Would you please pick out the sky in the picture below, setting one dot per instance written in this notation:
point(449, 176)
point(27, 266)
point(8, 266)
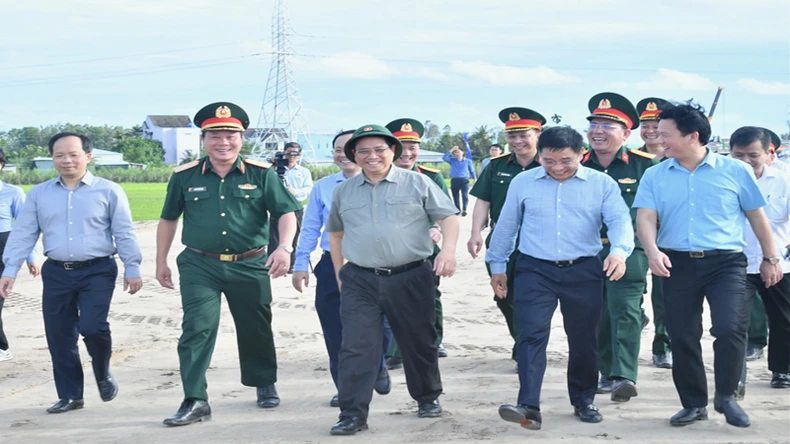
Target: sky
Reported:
point(356, 62)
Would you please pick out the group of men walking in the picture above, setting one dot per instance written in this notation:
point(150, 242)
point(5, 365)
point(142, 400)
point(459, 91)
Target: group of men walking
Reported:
point(568, 225)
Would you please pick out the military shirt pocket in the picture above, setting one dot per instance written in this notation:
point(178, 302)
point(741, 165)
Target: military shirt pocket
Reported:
point(354, 214)
point(404, 209)
point(628, 191)
point(196, 199)
point(247, 194)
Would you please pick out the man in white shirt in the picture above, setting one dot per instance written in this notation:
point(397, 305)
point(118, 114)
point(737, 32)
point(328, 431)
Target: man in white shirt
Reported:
point(752, 145)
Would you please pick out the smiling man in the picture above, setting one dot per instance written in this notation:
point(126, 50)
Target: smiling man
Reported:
point(612, 117)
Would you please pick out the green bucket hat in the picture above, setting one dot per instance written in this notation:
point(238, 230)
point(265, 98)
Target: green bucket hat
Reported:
point(371, 131)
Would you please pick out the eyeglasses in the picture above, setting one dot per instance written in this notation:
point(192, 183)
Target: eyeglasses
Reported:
point(293, 154)
point(364, 152)
point(603, 126)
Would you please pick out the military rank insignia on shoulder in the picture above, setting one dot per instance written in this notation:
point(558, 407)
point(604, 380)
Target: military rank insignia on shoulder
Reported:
point(257, 163)
point(430, 170)
point(639, 152)
point(186, 166)
point(500, 156)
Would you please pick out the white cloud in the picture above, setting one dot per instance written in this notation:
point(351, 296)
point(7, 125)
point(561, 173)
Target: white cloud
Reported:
point(670, 79)
point(430, 73)
point(354, 65)
point(511, 75)
point(760, 87)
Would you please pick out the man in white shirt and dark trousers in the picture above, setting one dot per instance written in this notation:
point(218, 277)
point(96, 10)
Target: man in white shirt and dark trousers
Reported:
point(752, 145)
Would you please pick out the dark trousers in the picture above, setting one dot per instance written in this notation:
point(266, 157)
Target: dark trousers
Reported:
point(505, 306)
point(460, 189)
point(76, 302)
point(661, 343)
point(3, 338)
point(777, 307)
point(274, 235)
point(327, 305)
point(758, 323)
point(407, 301)
point(722, 280)
point(579, 290)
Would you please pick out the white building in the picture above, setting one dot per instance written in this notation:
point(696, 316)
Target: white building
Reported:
point(179, 137)
point(101, 158)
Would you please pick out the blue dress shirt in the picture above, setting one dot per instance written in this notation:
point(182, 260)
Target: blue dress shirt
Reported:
point(89, 222)
point(560, 220)
point(701, 209)
point(300, 179)
point(460, 169)
point(316, 214)
point(12, 198)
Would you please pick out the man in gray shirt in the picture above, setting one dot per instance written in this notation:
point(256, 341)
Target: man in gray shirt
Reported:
point(84, 221)
point(388, 273)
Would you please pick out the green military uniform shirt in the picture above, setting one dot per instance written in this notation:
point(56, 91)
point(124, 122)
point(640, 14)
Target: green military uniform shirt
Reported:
point(434, 175)
point(494, 181)
point(226, 215)
point(627, 169)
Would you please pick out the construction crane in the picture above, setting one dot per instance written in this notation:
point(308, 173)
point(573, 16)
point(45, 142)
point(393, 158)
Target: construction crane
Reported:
point(715, 102)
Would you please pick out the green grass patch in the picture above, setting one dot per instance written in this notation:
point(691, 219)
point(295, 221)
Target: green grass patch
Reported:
point(145, 199)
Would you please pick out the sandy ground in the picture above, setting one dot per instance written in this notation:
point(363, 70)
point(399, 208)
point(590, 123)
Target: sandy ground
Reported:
point(478, 376)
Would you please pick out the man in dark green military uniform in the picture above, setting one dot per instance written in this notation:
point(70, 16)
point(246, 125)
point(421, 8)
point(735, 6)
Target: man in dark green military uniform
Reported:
point(409, 132)
point(612, 117)
point(522, 127)
point(226, 201)
point(648, 110)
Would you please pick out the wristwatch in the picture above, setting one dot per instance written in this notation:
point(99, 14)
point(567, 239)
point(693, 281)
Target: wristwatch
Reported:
point(289, 249)
point(772, 260)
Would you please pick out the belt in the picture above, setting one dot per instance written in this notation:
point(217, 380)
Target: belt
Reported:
point(704, 253)
point(381, 271)
point(562, 264)
point(73, 265)
point(605, 241)
point(231, 257)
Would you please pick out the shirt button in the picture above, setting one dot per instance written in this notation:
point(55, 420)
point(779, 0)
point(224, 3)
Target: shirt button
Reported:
point(246, 196)
point(222, 214)
point(558, 233)
point(227, 249)
point(196, 198)
point(692, 204)
point(222, 181)
point(606, 171)
point(71, 223)
point(692, 219)
point(222, 197)
point(70, 208)
point(224, 233)
point(70, 239)
point(692, 189)
point(558, 216)
point(627, 190)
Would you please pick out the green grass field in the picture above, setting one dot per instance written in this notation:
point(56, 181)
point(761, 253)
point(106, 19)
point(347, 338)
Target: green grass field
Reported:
point(146, 199)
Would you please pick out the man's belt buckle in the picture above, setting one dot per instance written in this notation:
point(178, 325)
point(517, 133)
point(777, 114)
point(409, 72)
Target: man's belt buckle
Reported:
point(226, 257)
point(69, 265)
point(382, 271)
point(697, 254)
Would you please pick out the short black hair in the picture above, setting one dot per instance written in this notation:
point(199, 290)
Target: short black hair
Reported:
point(495, 145)
point(339, 135)
point(86, 142)
point(3, 160)
point(560, 137)
point(747, 135)
point(689, 118)
point(292, 145)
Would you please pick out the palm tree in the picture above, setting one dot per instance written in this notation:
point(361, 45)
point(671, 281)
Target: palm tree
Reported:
point(188, 156)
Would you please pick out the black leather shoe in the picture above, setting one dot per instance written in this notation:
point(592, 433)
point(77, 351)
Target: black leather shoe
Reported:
point(645, 321)
point(780, 380)
point(689, 416)
point(267, 397)
point(430, 409)
point(731, 410)
point(588, 413)
point(753, 353)
point(394, 363)
point(442, 352)
point(528, 417)
point(335, 402)
point(383, 384)
point(604, 385)
point(348, 426)
point(623, 390)
point(191, 411)
point(662, 361)
point(64, 405)
point(108, 388)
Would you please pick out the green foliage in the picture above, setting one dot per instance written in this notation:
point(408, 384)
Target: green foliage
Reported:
point(144, 151)
point(23, 157)
point(188, 156)
point(149, 175)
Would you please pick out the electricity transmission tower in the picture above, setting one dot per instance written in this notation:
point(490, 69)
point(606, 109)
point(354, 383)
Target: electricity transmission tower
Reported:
point(281, 118)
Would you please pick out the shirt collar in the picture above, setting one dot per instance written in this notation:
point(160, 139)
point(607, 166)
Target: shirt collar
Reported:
point(87, 179)
point(710, 159)
point(622, 155)
point(769, 171)
point(393, 175)
point(237, 165)
point(581, 173)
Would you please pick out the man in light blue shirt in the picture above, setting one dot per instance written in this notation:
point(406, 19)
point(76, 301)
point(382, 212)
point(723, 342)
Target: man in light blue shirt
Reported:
point(495, 151)
point(461, 170)
point(299, 182)
point(11, 200)
point(327, 295)
point(85, 221)
point(701, 199)
point(558, 210)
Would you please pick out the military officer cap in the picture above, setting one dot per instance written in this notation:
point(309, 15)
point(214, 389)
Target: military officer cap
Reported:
point(222, 116)
point(371, 130)
point(649, 108)
point(521, 119)
point(615, 107)
point(776, 142)
point(406, 130)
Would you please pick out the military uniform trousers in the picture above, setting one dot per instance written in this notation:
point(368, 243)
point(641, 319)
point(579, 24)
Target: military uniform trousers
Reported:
point(721, 277)
point(76, 302)
point(621, 319)
point(3, 338)
point(506, 305)
point(579, 290)
point(247, 288)
point(393, 348)
point(406, 300)
point(327, 305)
point(758, 324)
point(661, 342)
point(777, 307)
